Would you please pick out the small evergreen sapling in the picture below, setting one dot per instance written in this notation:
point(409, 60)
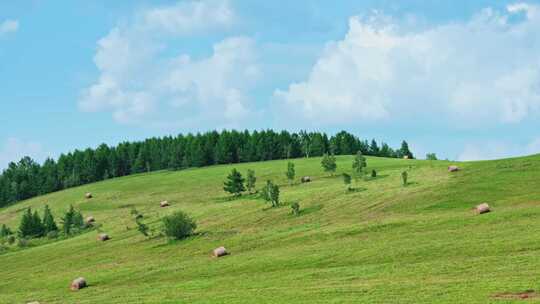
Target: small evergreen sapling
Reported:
point(373, 173)
point(234, 183)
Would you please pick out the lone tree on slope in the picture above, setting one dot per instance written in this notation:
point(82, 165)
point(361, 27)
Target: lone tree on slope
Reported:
point(234, 183)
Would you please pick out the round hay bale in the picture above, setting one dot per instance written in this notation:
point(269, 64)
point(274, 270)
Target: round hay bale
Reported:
point(453, 168)
point(482, 208)
point(219, 252)
point(305, 179)
point(164, 204)
point(88, 195)
point(78, 283)
point(89, 220)
point(406, 157)
point(103, 237)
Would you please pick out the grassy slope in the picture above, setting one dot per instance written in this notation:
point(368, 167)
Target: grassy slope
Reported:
point(384, 244)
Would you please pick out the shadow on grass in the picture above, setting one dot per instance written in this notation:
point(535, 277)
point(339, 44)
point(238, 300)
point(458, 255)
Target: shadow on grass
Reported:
point(311, 209)
point(370, 178)
point(246, 196)
point(355, 189)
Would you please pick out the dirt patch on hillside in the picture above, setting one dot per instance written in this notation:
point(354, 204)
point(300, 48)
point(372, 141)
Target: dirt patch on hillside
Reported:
point(524, 295)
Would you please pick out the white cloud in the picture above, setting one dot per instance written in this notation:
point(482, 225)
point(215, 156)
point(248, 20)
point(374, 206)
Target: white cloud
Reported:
point(8, 26)
point(485, 70)
point(14, 149)
point(143, 79)
point(189, 17)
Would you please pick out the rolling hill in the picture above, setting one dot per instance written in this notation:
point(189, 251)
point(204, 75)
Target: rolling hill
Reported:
point(383, 243)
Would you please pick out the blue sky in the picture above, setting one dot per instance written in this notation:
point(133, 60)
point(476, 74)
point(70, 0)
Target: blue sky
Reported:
point(458, 78)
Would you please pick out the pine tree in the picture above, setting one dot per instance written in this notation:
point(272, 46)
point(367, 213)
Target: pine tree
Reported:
point(290, 172)
point(404, 151)
point(25, 227)
point(329, 163)
point(5, 231)
point(37, 225)
point(48, 220)
point(234, 183)
point(251, 180)
point(67, 220)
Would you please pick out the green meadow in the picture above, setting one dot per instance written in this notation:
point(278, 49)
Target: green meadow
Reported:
point(382, 243)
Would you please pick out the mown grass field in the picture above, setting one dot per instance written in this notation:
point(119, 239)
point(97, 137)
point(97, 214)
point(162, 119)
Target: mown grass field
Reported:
point(381, 244)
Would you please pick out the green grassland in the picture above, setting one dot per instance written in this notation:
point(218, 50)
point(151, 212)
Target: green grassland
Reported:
point(383, 243)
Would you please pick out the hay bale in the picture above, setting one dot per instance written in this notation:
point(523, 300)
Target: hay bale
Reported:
point(406, 157)
point(103, 237)
point(219, 252)
point(305, 179)
point(453, 168)
point(482, 208)
point(78, 283)
point(164, 204)
point(90, 220)
point(88, 195)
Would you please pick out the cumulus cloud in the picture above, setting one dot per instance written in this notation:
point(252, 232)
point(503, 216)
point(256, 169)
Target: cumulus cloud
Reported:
point(14, 149)
point(484, 70)
point(8, 26)
point(143, 79)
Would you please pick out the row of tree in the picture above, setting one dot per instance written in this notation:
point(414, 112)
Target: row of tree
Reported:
point(27, 178)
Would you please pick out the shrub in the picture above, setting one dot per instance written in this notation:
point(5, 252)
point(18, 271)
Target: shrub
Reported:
point(295, 208)
point(404, 178)
point(347, 181)
point(11, 239)
point(142, 227)
point(22, 243)
point(373, 173)
point(178, 225)
point(52, 234)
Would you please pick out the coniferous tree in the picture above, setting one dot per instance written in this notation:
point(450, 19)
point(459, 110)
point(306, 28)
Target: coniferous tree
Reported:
point(234, 183)
point(404, 151)
point(25, 227)
point(48, 220)
point(37, 225)
point(5, 231)
point(67, 220)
